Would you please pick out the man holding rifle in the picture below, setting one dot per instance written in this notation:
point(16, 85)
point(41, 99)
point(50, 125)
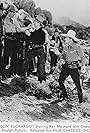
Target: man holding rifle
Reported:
point(3, 13)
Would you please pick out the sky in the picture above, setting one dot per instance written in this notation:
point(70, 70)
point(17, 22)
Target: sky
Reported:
point(77, 10)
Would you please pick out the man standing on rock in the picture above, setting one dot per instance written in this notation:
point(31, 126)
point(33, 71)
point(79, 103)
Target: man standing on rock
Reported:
point(3, 13)
point(37, 39)
point(72, 53)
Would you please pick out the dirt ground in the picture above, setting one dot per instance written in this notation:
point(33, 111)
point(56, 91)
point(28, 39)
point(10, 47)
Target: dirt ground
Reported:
point(18, 102)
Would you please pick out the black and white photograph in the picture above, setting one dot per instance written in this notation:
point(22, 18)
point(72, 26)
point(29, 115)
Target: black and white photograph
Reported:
point(45, 61)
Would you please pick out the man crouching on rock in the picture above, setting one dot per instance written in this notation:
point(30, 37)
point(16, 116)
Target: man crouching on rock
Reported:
point(72, 53)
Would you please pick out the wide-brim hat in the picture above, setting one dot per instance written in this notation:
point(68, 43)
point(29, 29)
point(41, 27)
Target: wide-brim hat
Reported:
point(40, 18)
point(22, 11)
point(71, 34)
point(13, 9)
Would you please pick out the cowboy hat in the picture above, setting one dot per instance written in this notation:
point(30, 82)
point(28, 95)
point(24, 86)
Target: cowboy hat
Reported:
point(40, 18)
point(22, 11)
point(71, 34)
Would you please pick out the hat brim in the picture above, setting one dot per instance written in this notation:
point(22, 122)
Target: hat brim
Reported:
point(22, 11)
point(40, 18)
point(74, 38)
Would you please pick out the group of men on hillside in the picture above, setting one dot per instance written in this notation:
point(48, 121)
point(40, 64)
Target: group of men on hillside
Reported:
point(26, 36)
point(29, 41)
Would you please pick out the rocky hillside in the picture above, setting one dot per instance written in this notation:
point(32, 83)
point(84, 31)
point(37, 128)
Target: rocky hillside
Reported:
point(25, 100)
point(67, 21)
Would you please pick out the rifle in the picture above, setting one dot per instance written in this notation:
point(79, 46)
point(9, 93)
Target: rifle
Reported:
point(3, 16)
point(24, 44)
point(2, 42)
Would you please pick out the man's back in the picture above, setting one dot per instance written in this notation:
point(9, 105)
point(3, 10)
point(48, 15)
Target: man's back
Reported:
point(38, 37)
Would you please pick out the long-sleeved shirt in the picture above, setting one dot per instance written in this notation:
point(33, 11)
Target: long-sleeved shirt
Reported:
point(73, 53)
point(9, 26)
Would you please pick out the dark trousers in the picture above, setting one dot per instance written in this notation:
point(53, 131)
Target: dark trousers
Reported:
point(65, 72)
point(31, 67)
point(19, 60)
point(10, 50)
point(53, 59)
point(1, 57)
point(39, 52)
